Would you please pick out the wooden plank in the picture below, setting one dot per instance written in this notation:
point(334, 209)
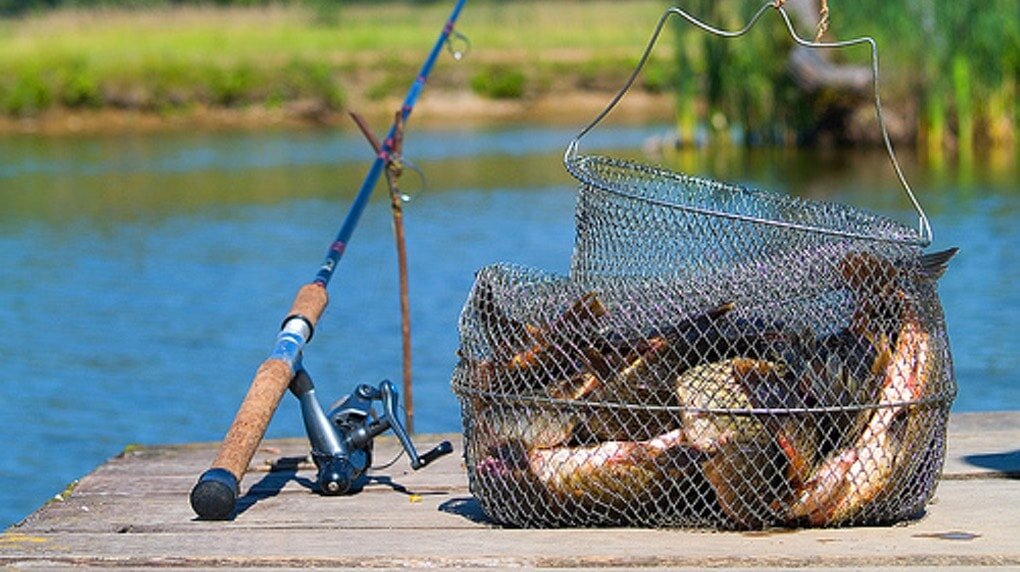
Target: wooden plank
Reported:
point(191, 459)
point(118, 476)
point(133, 511)
point(983, 445)
point(262, 484)
point(986, 421)
point(967, 526)
point(291, 510)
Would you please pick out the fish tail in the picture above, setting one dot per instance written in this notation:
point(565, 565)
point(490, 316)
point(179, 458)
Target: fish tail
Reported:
point(934, 265)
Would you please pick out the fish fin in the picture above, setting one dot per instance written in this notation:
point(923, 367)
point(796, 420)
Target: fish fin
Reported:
point(883, 355)
point(575, 387)
point(534, 331)
point(934, 265)
point(744, 367)
point(590, 304)
point(721, 310)
point(799, 468)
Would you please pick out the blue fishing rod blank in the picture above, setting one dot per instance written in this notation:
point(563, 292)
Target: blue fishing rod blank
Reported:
point(215, 495)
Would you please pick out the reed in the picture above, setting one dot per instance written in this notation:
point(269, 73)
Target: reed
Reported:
point(949, 72)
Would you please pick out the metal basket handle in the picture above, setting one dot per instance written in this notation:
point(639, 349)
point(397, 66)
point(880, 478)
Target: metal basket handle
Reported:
point(924, 228)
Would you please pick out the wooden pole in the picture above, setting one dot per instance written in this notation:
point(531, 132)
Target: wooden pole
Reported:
point(393, 171)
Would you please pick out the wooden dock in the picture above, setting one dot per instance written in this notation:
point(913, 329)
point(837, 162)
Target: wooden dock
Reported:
point(133, 511)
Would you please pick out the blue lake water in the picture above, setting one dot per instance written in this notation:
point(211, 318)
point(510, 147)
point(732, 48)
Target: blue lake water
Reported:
point(144, 277)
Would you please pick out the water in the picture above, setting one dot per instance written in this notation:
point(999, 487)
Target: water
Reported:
point(144, 278)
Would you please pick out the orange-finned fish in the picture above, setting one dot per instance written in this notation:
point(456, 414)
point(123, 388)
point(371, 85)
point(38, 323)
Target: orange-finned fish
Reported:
point(876, 282)
point(574, 322)
point(850, 478)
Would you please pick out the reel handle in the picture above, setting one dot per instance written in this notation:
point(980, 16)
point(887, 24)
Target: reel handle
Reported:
point(389, 397)
point(444, 448)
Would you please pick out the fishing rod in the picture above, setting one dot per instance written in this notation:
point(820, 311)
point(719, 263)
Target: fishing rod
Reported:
point(215, 495)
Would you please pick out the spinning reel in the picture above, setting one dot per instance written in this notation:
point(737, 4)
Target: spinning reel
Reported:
point(342, 438)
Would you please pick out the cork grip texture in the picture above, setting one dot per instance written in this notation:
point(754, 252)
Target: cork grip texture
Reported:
point(245, 434)
point(310, 302)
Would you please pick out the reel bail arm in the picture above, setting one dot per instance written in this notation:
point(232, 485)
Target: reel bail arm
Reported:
point(342, 440)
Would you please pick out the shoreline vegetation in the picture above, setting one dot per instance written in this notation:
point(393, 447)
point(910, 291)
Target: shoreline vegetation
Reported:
point(81, 69)
point(949, 69)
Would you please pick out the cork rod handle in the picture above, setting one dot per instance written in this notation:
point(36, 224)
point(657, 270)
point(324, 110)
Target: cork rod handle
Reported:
point(215, 495)
point(252, 419)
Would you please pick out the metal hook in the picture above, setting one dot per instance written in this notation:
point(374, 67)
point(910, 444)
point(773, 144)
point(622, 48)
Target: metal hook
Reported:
point(570, 154)
point(458, 54)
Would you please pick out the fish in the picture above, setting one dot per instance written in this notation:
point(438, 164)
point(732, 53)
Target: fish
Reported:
point(558, 339)
point(876, 281)
point(575, 387)
point(619, 349)
point(531, 425)
point(525, 358)
point(867, 272)
point(773, 390)
point(618, 413)
point(834, 376)
point(621, 474)
point(596, 383)
point(715, 405)
point(850, 478)
point(841, 372)
point(759, 458)
point(622, 374)
point(607, 482)
point(503, 334)
point(840, 369)
point(749, 480)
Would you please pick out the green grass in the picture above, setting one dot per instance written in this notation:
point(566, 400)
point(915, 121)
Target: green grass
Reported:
point(956, 85)
point(167, 57)
point(499, 82)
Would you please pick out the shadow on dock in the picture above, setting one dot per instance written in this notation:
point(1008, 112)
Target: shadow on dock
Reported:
point(1007, 464)
point(468, 508)
point(284, 470)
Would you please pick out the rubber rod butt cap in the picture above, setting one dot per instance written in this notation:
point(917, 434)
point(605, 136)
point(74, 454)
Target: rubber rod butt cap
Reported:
point(215, 495)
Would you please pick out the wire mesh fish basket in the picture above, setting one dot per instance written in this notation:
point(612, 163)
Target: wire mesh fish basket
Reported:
point(719, 356)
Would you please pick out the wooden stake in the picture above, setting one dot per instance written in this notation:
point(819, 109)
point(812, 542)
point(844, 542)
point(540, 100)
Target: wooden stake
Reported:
point(393, 171)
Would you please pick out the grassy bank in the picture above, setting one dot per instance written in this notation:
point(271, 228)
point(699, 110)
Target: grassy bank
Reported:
point(169, 59)
point(950, 68)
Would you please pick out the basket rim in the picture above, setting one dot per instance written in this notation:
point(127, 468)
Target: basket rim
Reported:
point(942, 398)
point(578, 167)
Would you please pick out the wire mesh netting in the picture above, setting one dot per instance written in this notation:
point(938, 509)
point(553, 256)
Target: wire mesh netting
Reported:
point(719, 357)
